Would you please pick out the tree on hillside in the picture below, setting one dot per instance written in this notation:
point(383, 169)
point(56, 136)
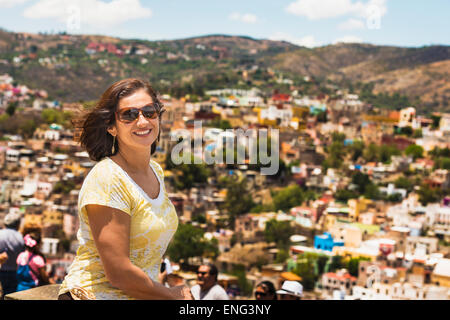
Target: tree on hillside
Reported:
point(415, 151)
point(361, 180)
point(404, 182)
point(372, 192)
point(442, 163)
point(221, 124)
point(288, 198)
point(336, 153)
point(238, 200)
point(441, 158)
point(336, 263)
point(436, 121)
point(11, 108)
point(383, 153)
point(305, 269)
point(188, 242)
point(186, 175)
point(365, 186)
point(357, 149)
point(438, 152)
point(352, 265)
point(428, 194)
point(55, 116)
point(343, 195)
point(278, 232)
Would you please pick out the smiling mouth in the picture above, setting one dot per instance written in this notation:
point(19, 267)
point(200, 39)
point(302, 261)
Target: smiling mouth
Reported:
point(142, 133)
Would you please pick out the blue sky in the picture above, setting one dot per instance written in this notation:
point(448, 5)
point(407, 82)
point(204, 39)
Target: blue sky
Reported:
point(304, 22)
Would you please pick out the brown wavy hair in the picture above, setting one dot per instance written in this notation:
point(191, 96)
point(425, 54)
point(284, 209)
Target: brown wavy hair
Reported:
point(91, 125)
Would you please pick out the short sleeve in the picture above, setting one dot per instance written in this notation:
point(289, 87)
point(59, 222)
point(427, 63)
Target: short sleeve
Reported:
point(21, 258)
point(104, 185)
point(220, 293)
point(37, 262)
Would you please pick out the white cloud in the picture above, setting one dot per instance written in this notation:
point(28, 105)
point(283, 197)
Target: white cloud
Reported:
point(322, 9)
point(352, 24)
point(93, 13)
point(246, 17)
point(11, 3)
point(348, 39)
point(306, 41)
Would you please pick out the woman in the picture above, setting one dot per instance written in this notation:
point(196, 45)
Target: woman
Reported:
point(265, 290)
point(31, 264)
point(126, 217)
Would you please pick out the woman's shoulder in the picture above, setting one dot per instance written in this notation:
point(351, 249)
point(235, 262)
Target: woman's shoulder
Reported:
point(102, 177)
point(102, 165)
point(104, 170)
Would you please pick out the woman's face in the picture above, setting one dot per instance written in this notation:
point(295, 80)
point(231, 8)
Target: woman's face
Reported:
point(141, 133)
point(262, 293)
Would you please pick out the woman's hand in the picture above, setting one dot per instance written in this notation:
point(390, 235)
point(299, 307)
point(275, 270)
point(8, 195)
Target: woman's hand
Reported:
point(3, 257)
point(182, 293)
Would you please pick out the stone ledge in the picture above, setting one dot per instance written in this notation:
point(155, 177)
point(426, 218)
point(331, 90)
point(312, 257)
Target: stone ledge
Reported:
point(48, 292)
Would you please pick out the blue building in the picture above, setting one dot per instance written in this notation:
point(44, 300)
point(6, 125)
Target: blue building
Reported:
point(326, 242)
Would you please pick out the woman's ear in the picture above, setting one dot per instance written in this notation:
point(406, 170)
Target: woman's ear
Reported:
point(112, 131)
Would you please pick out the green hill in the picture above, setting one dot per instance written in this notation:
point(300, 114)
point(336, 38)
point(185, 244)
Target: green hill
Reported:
point(76, 68)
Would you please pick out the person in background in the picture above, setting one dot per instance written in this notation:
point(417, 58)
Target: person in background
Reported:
point(291, 290)
point(207, 287)
point(11, 244)
point(265, 290)
point(31, 264)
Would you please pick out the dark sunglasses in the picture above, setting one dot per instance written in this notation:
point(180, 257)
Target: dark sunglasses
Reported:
point(128, 115)
point(261, 294)
point(202, 273)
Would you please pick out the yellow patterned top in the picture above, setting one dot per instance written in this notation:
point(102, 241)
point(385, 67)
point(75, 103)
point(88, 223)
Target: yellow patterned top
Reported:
point(153, 224)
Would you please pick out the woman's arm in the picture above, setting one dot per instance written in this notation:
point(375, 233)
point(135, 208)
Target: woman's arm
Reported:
point(111, 232)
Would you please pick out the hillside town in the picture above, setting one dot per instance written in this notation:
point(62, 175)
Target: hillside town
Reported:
point(359, 208)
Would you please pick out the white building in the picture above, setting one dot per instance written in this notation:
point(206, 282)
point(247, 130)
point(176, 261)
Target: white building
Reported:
point(273, 113)
point(12, 155)
point(438, 219)
point(444, 124)
point(399, 291)
point(408, 118)
point(50, 246)
point(391, 190)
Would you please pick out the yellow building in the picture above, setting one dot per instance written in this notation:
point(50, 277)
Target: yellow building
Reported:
point(357, 206)
point(329, 221)
point(32, 221)
point(354, 253)
point(235, 121)
point(441, 273)
point(300, 116)
point(52, 218)
point(264, 121)
point(75, 168)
